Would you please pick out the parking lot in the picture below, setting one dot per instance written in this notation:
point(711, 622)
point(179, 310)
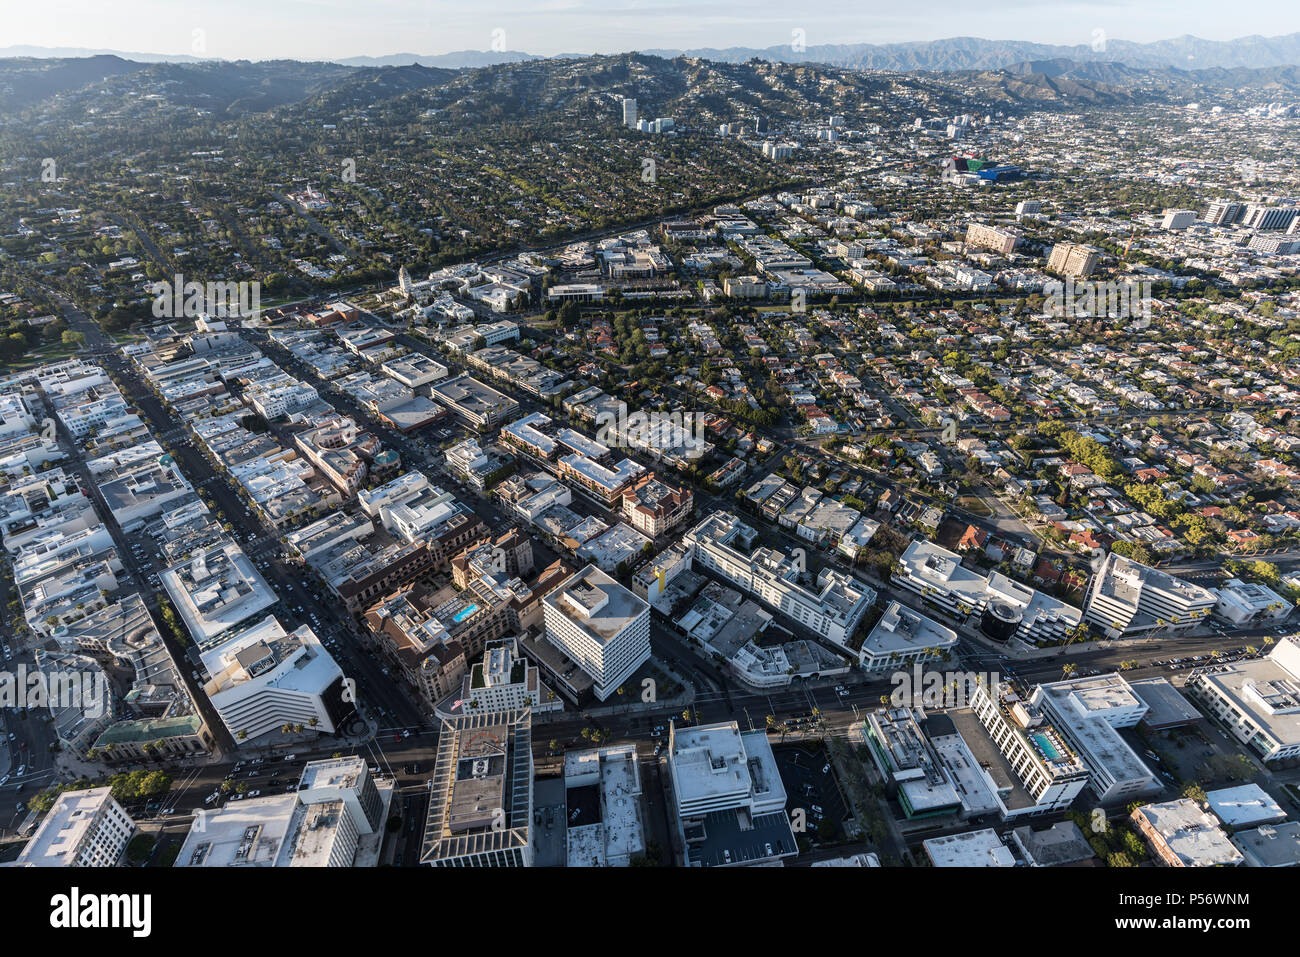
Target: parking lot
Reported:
point(811, 789)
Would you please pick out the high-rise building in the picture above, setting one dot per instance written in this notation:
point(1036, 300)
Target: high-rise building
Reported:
point(1224, 213)
point(1074, 260)
point(999, 240)
point(1268, 217)
point(600, 625)
point(1178, 218)
point(629, 112)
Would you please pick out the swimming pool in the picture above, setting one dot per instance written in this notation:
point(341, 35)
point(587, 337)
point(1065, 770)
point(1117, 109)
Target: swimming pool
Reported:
point(1045, 745)
point(464, 613)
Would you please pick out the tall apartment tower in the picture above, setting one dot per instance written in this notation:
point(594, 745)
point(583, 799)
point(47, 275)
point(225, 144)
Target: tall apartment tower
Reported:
point(1224, 213)
point(629, 112)
point(1074, 260)
point(1268, 217)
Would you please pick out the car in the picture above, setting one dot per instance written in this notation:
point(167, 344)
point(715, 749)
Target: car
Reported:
point(826, 769)
point(211, 797)
point(254, 794)
point(22, 768)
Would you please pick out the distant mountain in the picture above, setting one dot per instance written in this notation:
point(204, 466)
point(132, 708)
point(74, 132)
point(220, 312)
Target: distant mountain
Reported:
point(26, 81)
point(1066, 81)
point(952, 54)
point(47, 53)
point(973, 53)
point(462, 59)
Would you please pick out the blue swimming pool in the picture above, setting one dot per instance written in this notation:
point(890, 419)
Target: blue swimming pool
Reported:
point(1045, 745)
point(464, 613)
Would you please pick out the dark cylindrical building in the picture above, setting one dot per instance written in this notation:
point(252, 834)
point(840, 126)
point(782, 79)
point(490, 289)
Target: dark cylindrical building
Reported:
point(1000, 621)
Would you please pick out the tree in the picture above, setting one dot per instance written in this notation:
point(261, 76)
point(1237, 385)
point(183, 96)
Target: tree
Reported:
point(73, 338)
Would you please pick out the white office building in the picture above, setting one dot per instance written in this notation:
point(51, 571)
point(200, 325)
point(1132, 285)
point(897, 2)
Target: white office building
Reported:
point(601, 626)
point(83, 829)
point(1243, 602)
point(1127, 599)
point(1088, 712)
point(1258, 700)
point(834, 609)
point(265, 677)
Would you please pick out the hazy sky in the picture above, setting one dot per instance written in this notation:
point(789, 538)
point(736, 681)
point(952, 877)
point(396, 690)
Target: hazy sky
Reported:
point(319, 29)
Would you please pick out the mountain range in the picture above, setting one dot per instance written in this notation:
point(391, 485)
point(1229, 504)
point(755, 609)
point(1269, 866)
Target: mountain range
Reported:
point(953, 54)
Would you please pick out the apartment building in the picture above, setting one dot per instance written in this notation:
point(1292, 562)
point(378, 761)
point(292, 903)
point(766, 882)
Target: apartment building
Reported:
point(1074, 260)
point(997, 239)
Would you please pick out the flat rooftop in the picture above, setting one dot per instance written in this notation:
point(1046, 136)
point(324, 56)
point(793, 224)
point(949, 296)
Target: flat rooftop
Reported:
point(596, 603)
point(247, 833)
point(982, 848)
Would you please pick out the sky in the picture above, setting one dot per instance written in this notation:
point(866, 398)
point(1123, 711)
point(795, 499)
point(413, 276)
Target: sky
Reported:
point(335, 29)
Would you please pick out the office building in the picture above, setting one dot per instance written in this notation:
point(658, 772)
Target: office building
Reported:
point(903, 638)
point(1088, 712)
point(265, 677)
point(834, 609)
point(1128, 599)
point(481, 795)
point(1224, 213)
point(602, 790)
point(601, 626)
point(907, 761)
point(728, 795)
point(83, 829)
point(982, 848)
point(1183, 834)
point(1243, 602)
point(1257, 700)
point(1006, 607)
